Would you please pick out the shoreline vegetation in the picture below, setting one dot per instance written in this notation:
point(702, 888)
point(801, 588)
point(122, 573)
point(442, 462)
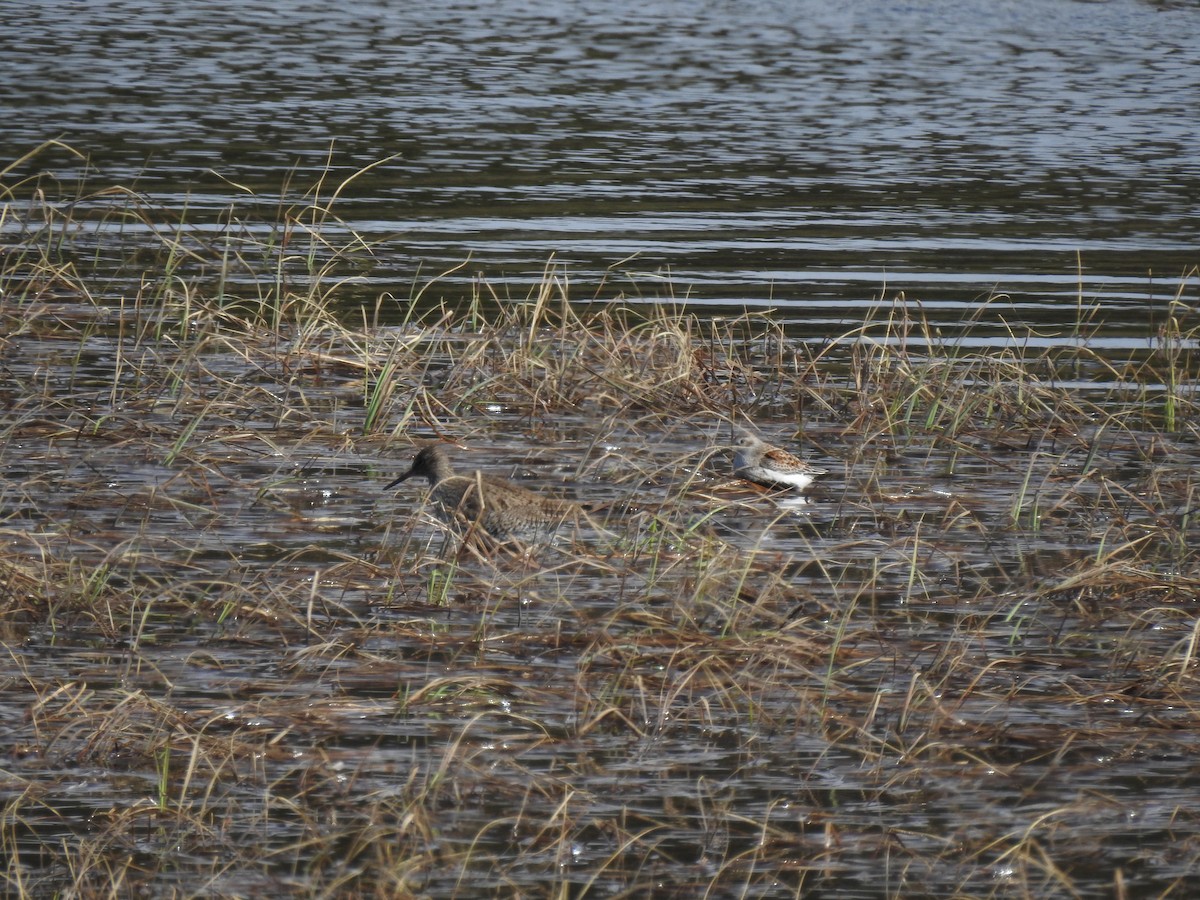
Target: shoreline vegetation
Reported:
point(230, 663)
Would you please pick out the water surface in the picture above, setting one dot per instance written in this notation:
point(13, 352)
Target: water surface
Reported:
point(798, 155)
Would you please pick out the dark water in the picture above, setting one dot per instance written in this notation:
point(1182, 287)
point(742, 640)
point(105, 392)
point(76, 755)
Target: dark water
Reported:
point(805, 155)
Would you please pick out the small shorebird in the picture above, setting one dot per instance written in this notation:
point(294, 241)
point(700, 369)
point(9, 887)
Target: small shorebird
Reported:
point(757, 461)
point(477, 504)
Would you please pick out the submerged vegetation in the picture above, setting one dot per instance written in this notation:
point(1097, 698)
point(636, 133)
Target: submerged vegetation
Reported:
point(230, 663)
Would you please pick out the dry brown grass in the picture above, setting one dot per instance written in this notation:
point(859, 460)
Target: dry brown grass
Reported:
point(970, 669)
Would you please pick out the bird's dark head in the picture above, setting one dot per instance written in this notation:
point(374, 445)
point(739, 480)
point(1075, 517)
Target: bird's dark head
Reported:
point(431, 462)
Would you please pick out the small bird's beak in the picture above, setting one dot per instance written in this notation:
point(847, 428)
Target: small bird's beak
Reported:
point(392, 484)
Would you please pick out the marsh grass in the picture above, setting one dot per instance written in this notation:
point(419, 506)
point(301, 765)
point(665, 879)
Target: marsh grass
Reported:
point(231, 665)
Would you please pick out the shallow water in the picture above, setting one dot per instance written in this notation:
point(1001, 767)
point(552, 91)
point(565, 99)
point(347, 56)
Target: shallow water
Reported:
point(728, 689)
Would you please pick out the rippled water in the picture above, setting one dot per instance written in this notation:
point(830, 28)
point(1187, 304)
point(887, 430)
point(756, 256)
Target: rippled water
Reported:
point(804, 155)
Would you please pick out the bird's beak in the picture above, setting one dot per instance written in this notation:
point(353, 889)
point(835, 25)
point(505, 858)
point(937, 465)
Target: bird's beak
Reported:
point(392, 484)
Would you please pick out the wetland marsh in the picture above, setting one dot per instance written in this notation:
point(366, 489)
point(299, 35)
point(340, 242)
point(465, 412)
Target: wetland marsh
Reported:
point(233, 664)
point(946, 252)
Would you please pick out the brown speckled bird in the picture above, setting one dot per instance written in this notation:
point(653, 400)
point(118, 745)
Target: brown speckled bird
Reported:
point(476, 503)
